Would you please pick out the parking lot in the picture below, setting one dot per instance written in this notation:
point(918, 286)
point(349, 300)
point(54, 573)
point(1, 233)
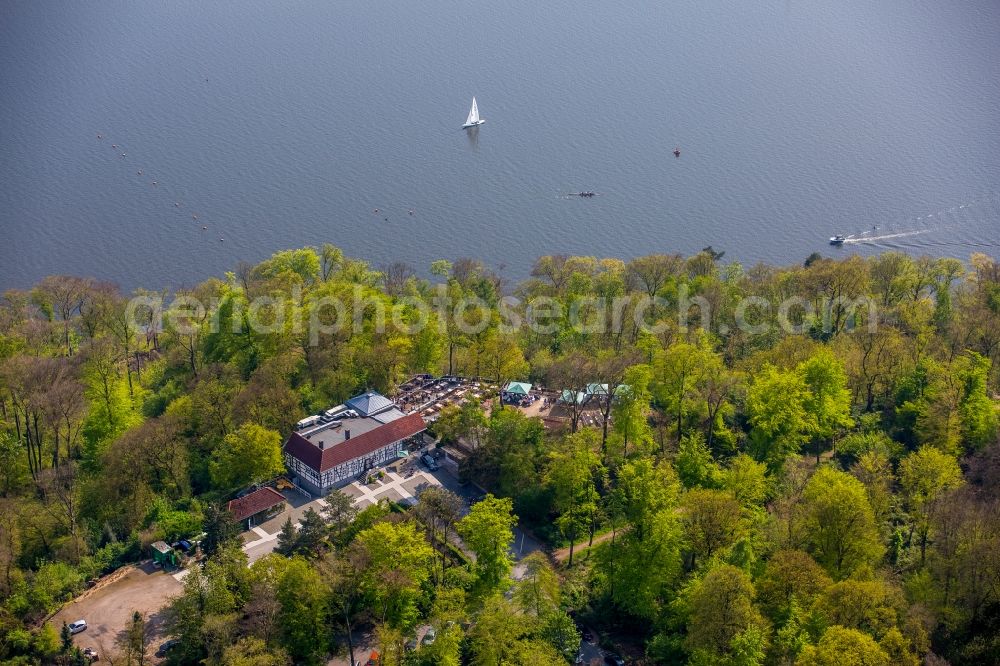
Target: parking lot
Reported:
point(108, 608)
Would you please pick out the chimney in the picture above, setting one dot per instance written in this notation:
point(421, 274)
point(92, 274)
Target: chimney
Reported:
point(347, 435)
point(320, 443)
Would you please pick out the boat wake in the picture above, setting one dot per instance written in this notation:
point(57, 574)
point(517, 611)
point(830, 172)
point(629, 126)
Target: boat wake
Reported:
point(872, 239)
point(954, 218)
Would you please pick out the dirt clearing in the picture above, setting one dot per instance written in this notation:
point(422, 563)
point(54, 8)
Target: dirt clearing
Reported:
point(108, 608)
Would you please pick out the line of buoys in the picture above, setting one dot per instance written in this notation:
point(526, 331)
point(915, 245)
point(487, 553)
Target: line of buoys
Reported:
point(155, 183)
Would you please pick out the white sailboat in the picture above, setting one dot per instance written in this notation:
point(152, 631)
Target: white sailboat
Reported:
point(473, 120)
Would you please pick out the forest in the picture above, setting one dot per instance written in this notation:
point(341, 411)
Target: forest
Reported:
point(795, 465)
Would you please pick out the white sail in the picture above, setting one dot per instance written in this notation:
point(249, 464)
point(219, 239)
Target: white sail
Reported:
point(473, 118)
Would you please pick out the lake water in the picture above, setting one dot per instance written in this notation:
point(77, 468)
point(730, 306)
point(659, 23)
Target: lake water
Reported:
point(284, 124)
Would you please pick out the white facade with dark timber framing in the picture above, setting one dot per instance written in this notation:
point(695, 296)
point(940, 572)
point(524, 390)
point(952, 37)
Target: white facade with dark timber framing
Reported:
point(336, 447)
point(322, 483)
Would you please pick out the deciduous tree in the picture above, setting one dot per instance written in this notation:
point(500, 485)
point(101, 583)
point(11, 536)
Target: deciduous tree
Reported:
point(790, 575)
point(828, 402)
point(839, 522)
point(249, 455)
point(398, 564)
point(721, 607)
point(926, 476)
point(488, 531)
point(302, 620)
point(712, 522)
point(844, 647)
point(776, 405)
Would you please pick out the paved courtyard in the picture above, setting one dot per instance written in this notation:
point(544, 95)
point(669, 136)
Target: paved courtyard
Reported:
point(403, 488)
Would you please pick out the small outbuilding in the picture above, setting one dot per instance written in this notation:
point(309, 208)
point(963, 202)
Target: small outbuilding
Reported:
point(256, 507)
point(164, 555)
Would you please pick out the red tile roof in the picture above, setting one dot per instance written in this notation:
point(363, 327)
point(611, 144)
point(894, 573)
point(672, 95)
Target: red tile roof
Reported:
point(257, 501)
point(356, 447)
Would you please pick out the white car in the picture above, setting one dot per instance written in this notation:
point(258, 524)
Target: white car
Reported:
point(78, 626)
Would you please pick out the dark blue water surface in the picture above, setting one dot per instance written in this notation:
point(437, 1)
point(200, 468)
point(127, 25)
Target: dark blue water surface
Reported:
point(284, 124)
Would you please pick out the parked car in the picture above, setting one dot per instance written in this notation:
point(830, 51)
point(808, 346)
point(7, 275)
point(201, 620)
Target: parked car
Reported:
point(613, 659)
point(429, 636)
point(411, 644)
point(77, 627)
point(91, 654)
point(428, 460)
point(166, 647)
